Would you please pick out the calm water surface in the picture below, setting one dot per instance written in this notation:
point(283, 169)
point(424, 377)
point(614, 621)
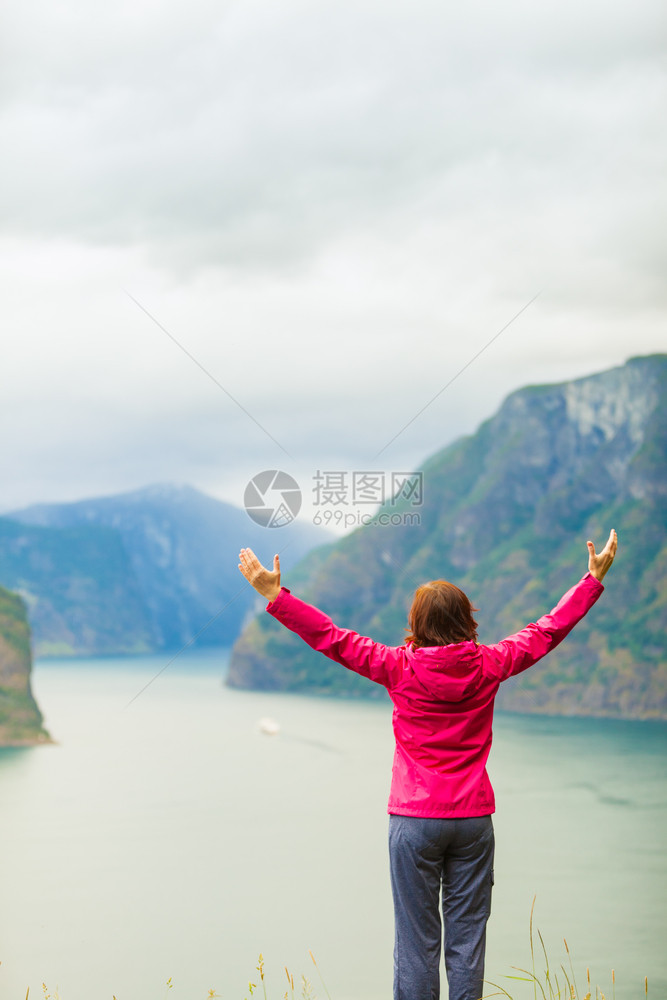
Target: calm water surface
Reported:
point(171, 838)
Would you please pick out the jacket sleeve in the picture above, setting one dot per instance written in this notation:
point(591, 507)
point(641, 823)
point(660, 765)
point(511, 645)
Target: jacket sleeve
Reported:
point(356, 652)
point(522, 650)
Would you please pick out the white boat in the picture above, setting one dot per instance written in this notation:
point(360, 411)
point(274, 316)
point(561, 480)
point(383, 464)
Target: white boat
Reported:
point(268, 726)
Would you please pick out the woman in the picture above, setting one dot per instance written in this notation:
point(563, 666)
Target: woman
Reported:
point(443, 685)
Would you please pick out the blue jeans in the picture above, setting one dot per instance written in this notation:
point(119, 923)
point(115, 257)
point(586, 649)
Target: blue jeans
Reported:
point(425, 855)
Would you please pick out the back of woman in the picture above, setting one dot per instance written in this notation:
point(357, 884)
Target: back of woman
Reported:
point(443, 684)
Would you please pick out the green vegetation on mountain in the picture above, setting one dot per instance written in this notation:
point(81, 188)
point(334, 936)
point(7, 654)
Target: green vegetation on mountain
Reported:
point(20, 718)
point(506, 515)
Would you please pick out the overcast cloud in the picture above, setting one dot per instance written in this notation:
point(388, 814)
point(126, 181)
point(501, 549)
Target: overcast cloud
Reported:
point(332, 206)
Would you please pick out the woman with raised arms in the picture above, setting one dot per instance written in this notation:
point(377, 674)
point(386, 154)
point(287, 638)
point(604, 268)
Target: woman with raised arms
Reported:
point(442, 683)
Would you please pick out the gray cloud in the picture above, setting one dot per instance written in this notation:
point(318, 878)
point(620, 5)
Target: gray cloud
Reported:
point(251, 134)
point(333, 206)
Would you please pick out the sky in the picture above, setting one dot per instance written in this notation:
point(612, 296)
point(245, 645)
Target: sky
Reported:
point(313, 236)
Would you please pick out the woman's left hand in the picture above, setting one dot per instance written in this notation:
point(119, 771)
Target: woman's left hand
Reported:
point(599, 563)
point(265, 581)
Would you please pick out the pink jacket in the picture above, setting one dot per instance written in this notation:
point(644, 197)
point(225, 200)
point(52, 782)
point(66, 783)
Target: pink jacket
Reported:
point(443, 698)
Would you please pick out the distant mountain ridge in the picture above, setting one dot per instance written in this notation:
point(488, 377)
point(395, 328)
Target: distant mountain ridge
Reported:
point(138, 572)
point(506, 515)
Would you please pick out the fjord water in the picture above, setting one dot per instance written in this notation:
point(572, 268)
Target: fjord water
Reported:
point(167, 836)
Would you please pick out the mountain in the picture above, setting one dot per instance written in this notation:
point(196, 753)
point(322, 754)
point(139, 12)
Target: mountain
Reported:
point(506, 514)
point(20, 718)
point(138, 572)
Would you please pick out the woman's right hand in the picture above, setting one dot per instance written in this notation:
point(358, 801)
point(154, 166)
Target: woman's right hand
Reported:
point(265, 581)
point(598, 564)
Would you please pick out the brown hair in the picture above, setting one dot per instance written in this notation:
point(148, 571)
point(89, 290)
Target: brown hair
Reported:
point(440, 614)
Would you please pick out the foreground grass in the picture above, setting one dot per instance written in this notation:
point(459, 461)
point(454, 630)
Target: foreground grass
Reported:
point(549, 984)
point(553, 984)
point(305, 987)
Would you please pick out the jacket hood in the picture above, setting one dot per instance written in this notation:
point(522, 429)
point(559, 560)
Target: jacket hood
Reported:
point(449, 673)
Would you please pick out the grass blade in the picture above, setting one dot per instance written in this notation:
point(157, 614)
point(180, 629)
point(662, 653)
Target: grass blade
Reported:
point(319, 974)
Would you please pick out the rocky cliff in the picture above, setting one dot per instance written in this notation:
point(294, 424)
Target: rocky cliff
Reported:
point(20, 718)
point(506, 515)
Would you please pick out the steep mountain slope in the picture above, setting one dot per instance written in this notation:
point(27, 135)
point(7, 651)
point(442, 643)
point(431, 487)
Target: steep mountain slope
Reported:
point(20, 718)
point(141, 571)
point(506, 515)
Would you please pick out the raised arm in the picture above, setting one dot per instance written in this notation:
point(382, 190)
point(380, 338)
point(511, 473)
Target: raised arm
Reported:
point(522, 650)
point(356, 652)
